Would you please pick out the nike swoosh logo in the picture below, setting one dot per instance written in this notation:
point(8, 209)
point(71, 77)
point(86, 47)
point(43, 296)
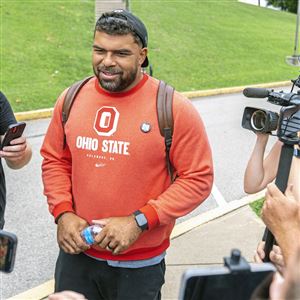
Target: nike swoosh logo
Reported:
point(99, 165)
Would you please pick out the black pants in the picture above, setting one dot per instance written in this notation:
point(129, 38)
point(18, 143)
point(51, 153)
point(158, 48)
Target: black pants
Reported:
point(96, 280)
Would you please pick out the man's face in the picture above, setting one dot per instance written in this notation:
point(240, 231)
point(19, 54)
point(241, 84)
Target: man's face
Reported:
point(117, 61)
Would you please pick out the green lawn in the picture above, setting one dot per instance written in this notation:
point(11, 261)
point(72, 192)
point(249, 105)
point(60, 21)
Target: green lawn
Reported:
point(194, 45)
point(45, 46)
point(257, 206)
point(208, 44)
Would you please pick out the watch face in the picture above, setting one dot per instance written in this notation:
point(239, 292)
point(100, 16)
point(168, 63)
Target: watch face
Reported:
point(141, 221)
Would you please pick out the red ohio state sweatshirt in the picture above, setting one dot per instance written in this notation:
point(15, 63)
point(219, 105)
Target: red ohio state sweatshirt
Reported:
point(114, 162)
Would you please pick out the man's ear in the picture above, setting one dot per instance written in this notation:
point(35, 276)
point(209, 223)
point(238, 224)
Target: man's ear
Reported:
point(143, 54)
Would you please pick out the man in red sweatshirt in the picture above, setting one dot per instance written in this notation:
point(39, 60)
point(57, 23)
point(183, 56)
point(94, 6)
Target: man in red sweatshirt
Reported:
point(113, 171)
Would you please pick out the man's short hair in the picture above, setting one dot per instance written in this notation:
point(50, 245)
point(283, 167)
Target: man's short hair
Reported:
point(113, 23)
point(122, 22)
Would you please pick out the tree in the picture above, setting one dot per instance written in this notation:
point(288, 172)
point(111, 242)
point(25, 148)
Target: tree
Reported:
point(289, 5)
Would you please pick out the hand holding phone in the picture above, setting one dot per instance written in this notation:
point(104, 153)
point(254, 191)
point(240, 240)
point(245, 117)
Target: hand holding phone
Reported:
point(14, 131)
point(8, 247)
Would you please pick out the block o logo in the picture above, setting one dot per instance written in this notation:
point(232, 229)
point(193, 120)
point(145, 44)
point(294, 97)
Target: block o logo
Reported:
point(106, 121)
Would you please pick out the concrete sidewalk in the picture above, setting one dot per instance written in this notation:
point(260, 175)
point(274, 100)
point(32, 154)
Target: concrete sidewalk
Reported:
point(206, 245)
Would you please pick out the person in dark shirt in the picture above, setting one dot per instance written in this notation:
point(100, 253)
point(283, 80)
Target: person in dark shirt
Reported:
point(16, 155)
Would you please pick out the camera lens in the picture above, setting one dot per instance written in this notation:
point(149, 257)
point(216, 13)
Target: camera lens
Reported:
point(273, 118)
point(258, 120)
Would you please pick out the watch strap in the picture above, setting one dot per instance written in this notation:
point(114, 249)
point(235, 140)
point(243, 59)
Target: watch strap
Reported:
point(141, 220)
point(137, 212)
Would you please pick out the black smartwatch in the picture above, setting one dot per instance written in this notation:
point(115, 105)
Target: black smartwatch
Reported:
point(141, 220)
point(297, 152)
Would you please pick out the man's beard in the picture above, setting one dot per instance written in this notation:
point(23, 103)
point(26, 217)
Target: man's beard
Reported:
point(119, 83)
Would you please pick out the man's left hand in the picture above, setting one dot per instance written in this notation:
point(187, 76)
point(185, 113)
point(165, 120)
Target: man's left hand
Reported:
point(118, 233)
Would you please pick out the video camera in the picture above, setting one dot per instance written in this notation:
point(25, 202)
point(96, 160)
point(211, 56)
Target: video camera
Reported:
point(287, 122)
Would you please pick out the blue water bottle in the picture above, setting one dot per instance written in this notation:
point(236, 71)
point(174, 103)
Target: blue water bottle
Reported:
point(88, 234)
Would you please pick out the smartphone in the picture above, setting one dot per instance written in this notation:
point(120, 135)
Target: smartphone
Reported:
point(218, 283)
point(8, 247)
point(13, 131)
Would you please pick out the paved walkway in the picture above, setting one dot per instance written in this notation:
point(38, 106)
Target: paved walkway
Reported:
point(206, 245)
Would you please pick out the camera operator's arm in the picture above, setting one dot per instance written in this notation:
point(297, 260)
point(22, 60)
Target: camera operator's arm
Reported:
point(260, 171)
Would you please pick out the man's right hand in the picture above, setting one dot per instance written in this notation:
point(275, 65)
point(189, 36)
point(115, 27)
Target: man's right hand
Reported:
point(69, 227)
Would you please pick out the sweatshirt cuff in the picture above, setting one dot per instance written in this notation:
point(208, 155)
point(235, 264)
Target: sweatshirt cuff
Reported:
point(151, 215)
point(62, 208)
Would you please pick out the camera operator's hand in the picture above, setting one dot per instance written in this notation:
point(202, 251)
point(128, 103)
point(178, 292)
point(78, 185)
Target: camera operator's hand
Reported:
point(259, 253)
point(276, 256)
point(69, 239)
point(281, 214)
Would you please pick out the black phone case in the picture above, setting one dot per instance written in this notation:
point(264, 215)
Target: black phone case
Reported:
point(11, 245)
point(14, 131)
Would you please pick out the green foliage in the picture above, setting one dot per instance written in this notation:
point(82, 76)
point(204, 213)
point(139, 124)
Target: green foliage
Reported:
point(193, 45)
point(289, 5)
point(45, 46)
point(197, 45)
point(257, 206)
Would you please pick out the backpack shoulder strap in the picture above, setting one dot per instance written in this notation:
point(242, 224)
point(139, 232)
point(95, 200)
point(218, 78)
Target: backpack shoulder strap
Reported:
point(69, 100)
point(164, 104)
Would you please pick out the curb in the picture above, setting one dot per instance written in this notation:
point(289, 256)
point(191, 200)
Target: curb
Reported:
point(34, 114)
point(232, 90)
point(213, 214)
point(37, 293)
point(47, 112)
